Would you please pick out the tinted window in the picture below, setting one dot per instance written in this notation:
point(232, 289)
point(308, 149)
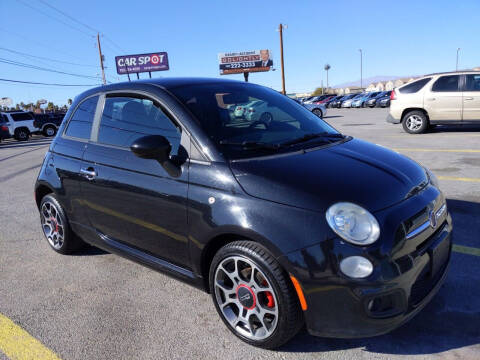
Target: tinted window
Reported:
point(446, 83)
point(236, 114)
point(80, 125)
point(125, 119)
point(414, 86)
point(472, 83)
point(3, 119)
point(21, 116)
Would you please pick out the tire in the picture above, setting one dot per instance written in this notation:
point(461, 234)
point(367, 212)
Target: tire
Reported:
point(415, 122)
point(318, 112)
point(56, 228)
point(49, 131)
point(241, 300)
point(22, 134)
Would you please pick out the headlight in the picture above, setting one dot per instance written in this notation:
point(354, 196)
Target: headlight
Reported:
point(353, 223)
point(433, 178)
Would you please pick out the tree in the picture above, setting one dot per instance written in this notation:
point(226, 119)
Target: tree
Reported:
point(50, 106)
point(319, 91)
point(327, 67)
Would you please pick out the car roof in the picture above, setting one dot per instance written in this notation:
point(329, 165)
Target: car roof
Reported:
point(454, 72)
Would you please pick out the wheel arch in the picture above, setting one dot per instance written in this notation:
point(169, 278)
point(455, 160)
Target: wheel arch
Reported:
point(23, 127)
point(40, 191)
point(407, 110)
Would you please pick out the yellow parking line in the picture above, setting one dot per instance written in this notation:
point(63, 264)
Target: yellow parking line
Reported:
point(453, 178)
point(438, 150)
point(466, 250)
point(17, 344)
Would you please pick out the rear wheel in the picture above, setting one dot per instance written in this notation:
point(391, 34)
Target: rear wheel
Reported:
point(22, 134)
point(56, 228)
point(254, 296)
point(415, 122)
point(318, 112)
point(49, 131)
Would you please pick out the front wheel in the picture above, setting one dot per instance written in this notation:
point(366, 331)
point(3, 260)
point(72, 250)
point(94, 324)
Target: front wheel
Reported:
point(254, 296)
point(22, 135)
point(415, 122)
point(318, 112)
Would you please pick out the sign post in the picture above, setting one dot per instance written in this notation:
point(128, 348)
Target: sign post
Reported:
point(127, 64)
point(245, 62)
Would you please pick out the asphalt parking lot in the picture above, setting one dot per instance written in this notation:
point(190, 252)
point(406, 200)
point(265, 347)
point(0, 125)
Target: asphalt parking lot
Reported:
point(95, 305)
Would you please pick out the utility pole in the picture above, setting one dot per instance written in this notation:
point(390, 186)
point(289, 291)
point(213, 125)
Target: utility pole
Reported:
point(361, 68)
point(280, 29)
point(101, 60)
point(456, 66)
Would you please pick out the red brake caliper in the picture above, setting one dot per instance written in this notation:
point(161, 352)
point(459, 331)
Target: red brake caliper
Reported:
point(268, 294)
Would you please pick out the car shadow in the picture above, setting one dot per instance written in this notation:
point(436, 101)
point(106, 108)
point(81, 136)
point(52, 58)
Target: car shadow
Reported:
point(454, 128)
point(332, 116)
point(90, 250)
point(450, 321)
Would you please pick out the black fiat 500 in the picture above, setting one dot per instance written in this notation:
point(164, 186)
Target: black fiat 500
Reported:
point(242, 192)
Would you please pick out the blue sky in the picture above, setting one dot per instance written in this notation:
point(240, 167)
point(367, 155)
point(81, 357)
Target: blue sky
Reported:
point(398, 38)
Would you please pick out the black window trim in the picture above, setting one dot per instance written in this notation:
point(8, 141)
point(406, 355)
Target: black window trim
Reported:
point(64, 135)
point(156, 99)
point(459, 88)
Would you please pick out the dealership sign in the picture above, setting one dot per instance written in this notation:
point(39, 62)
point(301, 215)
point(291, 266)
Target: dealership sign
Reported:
point(129, 64)
point(245, 61)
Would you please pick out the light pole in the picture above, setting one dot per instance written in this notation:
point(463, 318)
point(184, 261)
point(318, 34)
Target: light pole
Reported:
point(327, 67)
point(361, 68)
point(456, 66)
point(280, 29)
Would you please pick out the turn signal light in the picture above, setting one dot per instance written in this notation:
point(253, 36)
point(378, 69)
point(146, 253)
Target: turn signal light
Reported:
point(298, 289)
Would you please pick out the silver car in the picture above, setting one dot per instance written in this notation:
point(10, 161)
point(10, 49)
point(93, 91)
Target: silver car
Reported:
point(318, 109)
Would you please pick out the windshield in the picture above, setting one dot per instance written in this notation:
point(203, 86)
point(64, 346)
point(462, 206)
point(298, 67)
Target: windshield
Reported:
point(246, 120)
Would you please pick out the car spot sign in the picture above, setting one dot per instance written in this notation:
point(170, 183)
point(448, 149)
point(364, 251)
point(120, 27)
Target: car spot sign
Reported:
point(128, 64)
point(245, 61)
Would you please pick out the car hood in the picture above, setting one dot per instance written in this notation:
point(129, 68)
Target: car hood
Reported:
point(354, 171)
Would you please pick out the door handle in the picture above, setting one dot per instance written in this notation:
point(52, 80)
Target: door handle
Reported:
point(430, 99)
point(89, 173)
point(469, 98)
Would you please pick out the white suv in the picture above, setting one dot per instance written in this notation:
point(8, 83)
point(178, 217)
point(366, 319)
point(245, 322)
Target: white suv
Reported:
point(445, 98)
point(19, 123)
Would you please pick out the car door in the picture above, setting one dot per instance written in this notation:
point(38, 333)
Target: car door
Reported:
point(66, 159)
point(471, 98)
point(444, 100)
point(132, 200)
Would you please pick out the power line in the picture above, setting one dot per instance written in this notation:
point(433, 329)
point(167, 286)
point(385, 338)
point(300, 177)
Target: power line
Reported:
point(45, 58)
point(25, 65)
point(68, 16)
point(54, 18)
point(50, 84)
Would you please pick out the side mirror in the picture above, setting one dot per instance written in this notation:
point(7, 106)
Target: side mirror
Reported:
point(152, 147)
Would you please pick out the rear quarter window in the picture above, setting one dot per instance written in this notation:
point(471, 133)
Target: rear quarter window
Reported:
point(414, 86)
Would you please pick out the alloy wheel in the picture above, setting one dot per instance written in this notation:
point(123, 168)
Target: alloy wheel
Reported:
point(246, 298)
point(52, 225)
point(50, 131)
point(414, 122)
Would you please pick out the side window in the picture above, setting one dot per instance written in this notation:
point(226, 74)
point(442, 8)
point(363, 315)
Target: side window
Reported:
point(414, 86)
point(80, 125)
point(125, 119)
point(21, 116)
point(472, 82)
point(446, 83)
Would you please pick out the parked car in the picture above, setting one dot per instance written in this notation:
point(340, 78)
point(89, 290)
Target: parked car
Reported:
point(19, 123)
point(330, 102)
point(338, 103)
point(360, 102)
point(318, 109)
point(442, 98)
point(4, 131)
point(374, 101)
point(385, 102)
point(48, 124)
point(284, 223)
point(315, 99)
point(348, 103)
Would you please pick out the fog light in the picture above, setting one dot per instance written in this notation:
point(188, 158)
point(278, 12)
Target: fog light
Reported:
point(356, 267)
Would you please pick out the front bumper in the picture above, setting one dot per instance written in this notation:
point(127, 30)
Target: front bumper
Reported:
point(391, 119)
point(405, 279)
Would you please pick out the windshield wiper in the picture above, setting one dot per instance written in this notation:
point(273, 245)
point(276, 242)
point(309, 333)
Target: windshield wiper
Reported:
point(325, 135)
point(251, 145)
